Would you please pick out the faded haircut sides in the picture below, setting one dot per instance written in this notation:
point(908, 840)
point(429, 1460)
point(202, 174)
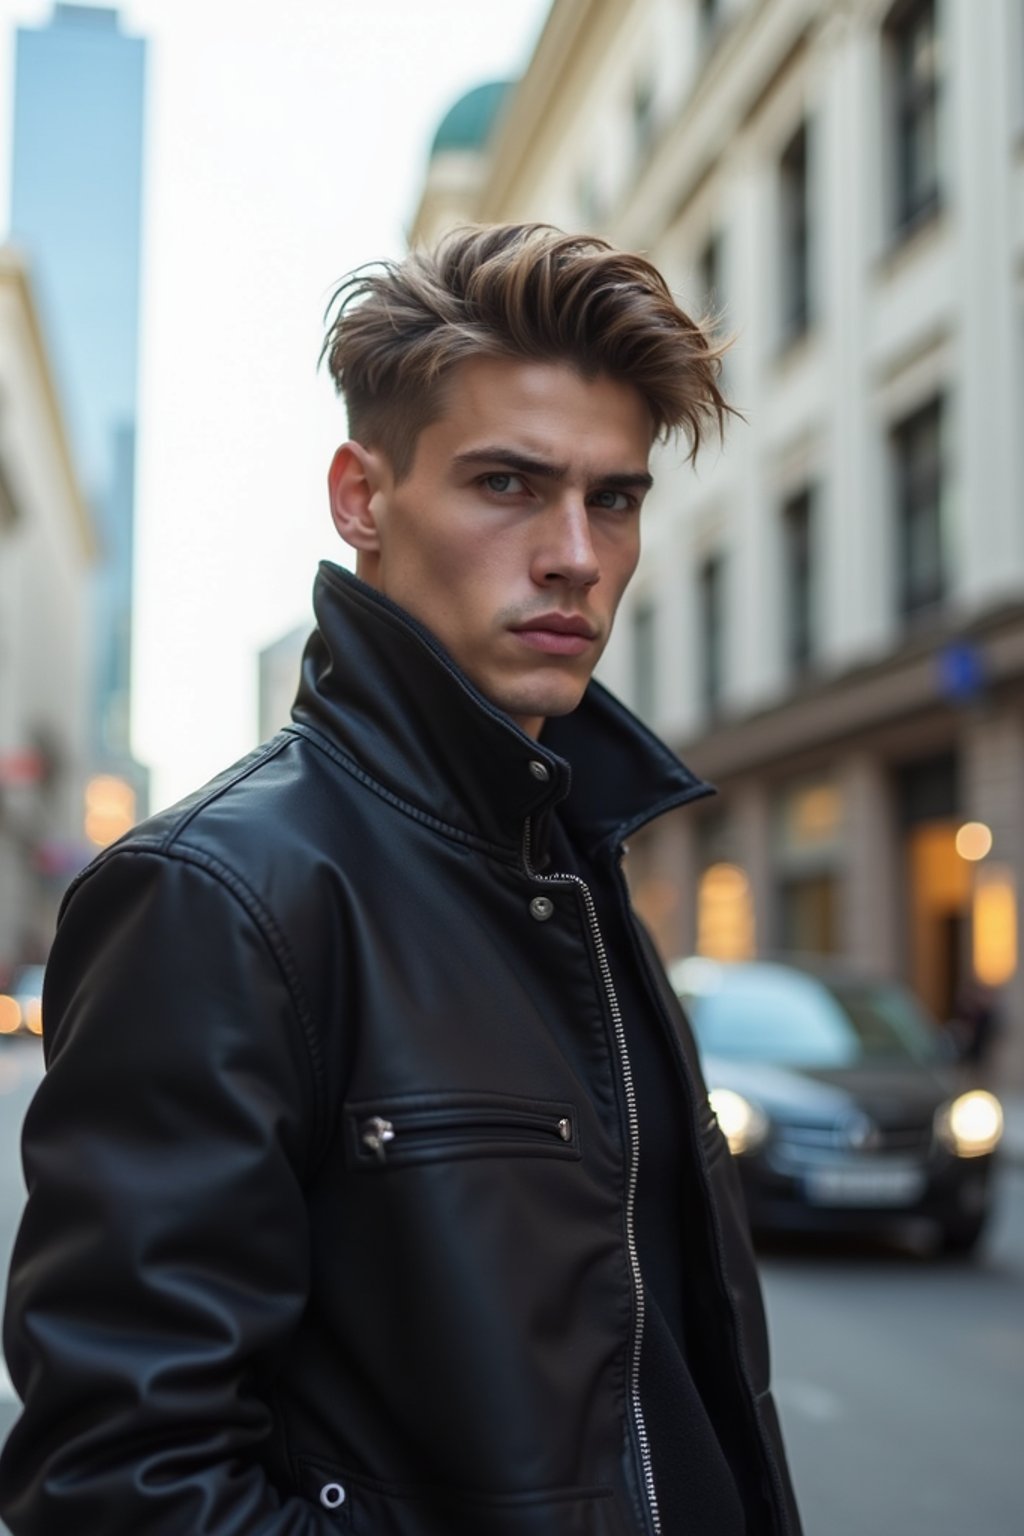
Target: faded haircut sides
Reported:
point(397, 329)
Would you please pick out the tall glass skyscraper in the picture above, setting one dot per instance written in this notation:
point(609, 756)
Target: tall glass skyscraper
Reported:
point(76, 205)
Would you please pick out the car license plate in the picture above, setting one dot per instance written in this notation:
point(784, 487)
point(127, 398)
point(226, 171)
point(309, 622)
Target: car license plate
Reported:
point(881, 1184)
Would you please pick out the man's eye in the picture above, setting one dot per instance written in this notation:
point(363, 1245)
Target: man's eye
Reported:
point(613, 501)
point(504, 485)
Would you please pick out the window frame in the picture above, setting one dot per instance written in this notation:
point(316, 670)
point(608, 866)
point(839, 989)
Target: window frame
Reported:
point(800, 646)
point(910, 101)
point(794, 215)
point(711, 618)
point(645, 649)
point(918, 480)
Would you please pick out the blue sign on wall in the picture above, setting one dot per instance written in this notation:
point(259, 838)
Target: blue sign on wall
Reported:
point(961, 667)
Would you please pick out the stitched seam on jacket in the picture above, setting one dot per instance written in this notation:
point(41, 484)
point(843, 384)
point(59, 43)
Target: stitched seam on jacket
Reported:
point(275, 746)
point(309, 733)
point(132, 842)
point(277, 948)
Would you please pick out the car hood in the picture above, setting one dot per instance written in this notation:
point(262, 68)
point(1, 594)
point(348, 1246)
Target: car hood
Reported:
point(888, 1093)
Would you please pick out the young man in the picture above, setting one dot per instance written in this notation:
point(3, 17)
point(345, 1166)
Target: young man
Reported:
point(373, 1185)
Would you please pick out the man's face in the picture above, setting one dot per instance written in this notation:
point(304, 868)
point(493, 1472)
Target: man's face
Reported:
point(517, 529)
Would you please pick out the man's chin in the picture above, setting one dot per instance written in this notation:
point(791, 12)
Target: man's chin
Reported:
point(542, 704)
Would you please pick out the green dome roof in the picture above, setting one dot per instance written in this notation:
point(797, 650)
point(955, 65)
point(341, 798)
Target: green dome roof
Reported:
point(467, 124)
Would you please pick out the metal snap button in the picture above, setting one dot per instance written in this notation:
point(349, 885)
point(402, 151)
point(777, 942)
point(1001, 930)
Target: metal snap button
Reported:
point(332, 1495)
point(541, 907)
point(540, 770)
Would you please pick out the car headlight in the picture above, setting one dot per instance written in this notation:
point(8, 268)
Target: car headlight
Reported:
point(971, 1125)
point(10, 1014)
point(744, 1126)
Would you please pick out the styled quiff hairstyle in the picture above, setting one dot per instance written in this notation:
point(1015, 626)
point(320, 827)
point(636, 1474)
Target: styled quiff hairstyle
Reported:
point(397, 329)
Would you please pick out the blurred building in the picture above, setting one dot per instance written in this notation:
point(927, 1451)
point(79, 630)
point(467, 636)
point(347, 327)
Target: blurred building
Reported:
point(279, 667)
point(455, 184)
point(47, 546)
point(76, 198)
point(828, 620)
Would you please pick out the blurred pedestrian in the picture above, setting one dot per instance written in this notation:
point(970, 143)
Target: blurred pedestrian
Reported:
point(975, 1025)
point(373, 1184)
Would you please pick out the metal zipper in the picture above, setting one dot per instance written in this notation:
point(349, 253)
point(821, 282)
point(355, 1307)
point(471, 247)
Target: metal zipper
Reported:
point(377, 1133)
point(634, 1164)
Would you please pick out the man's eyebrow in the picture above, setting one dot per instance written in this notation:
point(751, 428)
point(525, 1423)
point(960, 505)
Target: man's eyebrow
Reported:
point(526, 464)
point(512, 458)
point(629, 480)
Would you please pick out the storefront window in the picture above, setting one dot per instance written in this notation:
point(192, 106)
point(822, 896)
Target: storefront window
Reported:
point(808, 858)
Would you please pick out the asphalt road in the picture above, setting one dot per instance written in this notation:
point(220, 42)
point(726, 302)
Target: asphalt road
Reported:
point(900, 1380)
point(901, 1383)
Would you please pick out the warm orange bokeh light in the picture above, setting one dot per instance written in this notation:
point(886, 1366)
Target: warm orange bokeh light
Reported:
point(974, 841)
point(109, 809)
point(10, 1014)
point(725, 914)
point(995, 926)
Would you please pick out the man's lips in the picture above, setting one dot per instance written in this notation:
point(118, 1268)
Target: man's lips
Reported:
point(557, 634)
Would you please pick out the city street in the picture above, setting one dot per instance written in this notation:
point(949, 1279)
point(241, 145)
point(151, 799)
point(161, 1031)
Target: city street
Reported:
point(900, 1383)
point(899, 1380)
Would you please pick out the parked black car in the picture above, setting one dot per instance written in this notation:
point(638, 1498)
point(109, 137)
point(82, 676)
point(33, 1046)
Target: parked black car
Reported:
point(840, 1101)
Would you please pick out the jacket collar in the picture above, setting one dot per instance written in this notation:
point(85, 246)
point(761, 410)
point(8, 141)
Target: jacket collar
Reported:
point(381, 688)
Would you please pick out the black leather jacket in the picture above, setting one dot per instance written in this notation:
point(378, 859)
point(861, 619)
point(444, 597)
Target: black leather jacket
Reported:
point(328, 1223)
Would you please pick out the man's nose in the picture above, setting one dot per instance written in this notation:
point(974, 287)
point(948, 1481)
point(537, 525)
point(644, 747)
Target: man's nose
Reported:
point(565, 550)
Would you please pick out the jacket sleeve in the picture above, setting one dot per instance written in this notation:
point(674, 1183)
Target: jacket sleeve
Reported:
point(162, 1262)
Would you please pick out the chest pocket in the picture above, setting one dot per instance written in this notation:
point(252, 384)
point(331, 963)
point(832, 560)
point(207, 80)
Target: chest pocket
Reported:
point(442, 1127)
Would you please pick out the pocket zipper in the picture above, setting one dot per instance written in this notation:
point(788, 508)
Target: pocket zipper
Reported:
point(378, 1134)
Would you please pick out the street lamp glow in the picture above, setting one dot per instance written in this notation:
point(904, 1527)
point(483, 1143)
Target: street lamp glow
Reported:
point(109, 809)
point(10, 1014)
point(974, 841)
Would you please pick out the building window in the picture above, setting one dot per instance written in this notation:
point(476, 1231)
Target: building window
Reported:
point(809, 858)
point(8, 503)
point(644, 659)
point(712, 631)
point(643, 114)
point(914, 52)
point(937, 882)
point(798, 581)
point(709, 274)
point(725, 914)
point(794, 225)
point(917, 460)
point(709, 20)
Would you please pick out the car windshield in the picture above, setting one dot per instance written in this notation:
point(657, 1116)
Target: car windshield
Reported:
point(776, 1014)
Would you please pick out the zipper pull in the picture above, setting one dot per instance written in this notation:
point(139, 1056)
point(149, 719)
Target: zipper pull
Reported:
point(375, 1133)
point(565, 1129)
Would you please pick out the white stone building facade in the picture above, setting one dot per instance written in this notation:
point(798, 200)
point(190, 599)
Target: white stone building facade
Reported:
point(828, 619)
point(46, 549)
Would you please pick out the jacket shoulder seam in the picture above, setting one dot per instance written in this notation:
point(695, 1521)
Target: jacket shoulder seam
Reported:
point(276, 745)
point(141, 841)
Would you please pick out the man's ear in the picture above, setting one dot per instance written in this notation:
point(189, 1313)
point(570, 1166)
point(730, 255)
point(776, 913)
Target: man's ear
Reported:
point(354, 479)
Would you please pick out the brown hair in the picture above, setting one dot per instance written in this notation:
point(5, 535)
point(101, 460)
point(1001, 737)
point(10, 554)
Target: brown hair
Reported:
point(396, 329)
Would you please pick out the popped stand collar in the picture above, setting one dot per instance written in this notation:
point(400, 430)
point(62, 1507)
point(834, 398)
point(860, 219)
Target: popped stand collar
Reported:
point(381, 687)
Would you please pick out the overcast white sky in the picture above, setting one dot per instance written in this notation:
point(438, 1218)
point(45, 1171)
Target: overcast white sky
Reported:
point(285, 145)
